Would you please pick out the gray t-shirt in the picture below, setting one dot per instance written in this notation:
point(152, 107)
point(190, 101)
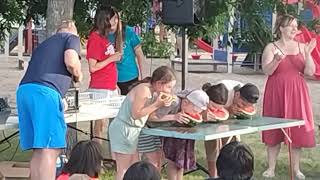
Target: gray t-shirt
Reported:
point(174, 108)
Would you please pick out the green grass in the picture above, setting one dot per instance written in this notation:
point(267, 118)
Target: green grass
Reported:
point(310, 163)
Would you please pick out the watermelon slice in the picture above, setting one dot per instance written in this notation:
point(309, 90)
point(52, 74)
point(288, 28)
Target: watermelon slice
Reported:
point(219, 114)
point(194, 119)
point(246, 113)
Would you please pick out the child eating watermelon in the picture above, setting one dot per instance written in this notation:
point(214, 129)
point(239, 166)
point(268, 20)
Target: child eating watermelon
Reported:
point(238, 99)
point(186, 108)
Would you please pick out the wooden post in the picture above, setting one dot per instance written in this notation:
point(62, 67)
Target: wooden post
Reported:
point(7, 45)
point(29, 37)
point(20, 48)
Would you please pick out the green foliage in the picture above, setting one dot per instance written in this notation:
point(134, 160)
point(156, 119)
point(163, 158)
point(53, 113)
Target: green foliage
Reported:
point(152, 47)
point(19, 11)
point(257, 33)
point(36, 9)
point(216, 15)
point(11, 13)
point(82, 16)
point(135, 12)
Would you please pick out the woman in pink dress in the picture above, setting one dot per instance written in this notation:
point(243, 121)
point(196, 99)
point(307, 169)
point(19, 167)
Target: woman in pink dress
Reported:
point(286, 61)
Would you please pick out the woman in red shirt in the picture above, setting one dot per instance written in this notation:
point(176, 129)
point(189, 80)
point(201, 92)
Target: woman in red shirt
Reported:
point(102, 56)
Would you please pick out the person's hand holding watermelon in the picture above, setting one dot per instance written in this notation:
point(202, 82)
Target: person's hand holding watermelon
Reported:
point(234, 109)
point(181, 118)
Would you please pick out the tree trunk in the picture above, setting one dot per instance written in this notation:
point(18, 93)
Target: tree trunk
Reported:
point(57, 11)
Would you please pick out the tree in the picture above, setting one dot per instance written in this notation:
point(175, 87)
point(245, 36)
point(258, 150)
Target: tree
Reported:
point(58, 10)
point(20, 11)
point(11, 13)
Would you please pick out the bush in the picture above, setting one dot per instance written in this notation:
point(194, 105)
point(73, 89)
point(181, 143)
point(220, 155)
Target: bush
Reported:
point(153, 48)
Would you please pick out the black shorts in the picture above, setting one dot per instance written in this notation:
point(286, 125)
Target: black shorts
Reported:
point(124, 86)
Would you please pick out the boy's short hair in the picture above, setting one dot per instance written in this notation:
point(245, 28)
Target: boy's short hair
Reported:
point(218, 93)
point(142, 170)
point(235, 162)
point(250, 93)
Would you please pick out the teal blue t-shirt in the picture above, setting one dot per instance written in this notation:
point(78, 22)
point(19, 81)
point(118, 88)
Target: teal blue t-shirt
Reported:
point(127, 67)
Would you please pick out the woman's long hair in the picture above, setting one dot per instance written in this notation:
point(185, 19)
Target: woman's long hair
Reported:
point(102, 25)
point(282, 21)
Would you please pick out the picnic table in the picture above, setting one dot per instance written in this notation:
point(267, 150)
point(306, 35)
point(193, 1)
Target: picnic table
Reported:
point(206, 62)
point(211, 131)
point(89, 111)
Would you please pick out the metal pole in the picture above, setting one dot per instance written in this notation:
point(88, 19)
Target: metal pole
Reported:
point(184, 60)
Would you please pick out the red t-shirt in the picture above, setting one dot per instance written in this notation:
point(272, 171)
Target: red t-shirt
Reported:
point(65, 176)
point(99, 48)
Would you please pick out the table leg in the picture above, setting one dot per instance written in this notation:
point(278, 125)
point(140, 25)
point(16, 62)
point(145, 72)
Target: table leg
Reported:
point(72, 138)
point(288, 135)
point(215, 68)
point(91, 130)
point(9, 137)
point(199, 167)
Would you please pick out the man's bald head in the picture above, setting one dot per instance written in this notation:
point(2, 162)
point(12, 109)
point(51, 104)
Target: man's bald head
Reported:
point(68, 26)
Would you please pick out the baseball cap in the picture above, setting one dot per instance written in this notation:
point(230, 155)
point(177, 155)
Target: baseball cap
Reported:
point(250, 93)
point(199, 98)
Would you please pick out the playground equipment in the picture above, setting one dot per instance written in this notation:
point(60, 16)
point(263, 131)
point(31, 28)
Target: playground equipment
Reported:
point(22, 41)
point(305, 36)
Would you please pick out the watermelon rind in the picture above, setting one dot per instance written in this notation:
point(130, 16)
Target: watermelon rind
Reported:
point(245, 115)
point(242, 116)
point(192, 123)
point(226, 117)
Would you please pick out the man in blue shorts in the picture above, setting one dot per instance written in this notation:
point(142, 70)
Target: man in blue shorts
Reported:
point(53, 66)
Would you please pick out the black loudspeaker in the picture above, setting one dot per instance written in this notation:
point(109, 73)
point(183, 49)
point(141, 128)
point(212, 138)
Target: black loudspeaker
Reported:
point(182, 12)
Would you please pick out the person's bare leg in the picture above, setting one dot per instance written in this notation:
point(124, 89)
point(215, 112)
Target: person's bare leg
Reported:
point(212, 152)
point(174, 173)
point(227, 140)
point(180, 174)
point(296, 163)
point(124, 161)
point(272, 153)
point(99, 127)
point(155, 158)
point(43, 164)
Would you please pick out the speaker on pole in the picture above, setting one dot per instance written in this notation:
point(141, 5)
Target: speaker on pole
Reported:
point(182, 12)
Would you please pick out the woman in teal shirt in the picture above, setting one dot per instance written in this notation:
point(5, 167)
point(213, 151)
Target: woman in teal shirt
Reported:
point(130, 66)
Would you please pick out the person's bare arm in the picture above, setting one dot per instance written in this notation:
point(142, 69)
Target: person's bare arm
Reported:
point(141, 95)
point(170, 117)
point(72, 62)
point(140, 58)
point(155, 118)
point(271, 58)
point(310, 67)
point(95, 65)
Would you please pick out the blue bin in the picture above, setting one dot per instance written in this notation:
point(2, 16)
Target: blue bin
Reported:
point(220, 55)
